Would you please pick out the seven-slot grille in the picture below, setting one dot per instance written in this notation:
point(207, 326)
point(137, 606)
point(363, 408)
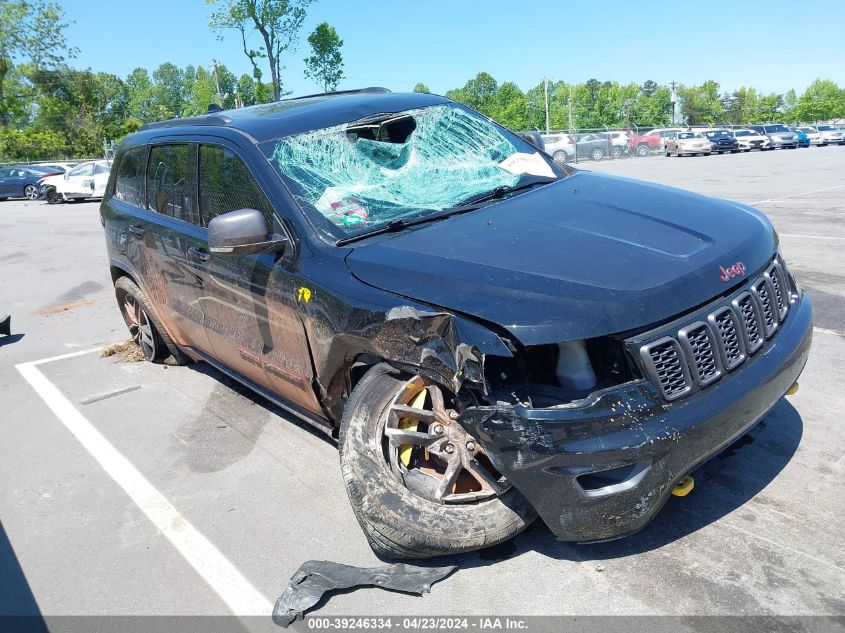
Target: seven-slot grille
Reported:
point(701, 352)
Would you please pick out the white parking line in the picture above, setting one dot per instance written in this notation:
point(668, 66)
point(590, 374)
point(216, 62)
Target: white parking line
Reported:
point(220, 574)
point(793, 195)
point(811, 237)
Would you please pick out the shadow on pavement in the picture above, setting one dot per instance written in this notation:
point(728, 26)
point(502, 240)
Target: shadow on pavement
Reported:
point(17, 604)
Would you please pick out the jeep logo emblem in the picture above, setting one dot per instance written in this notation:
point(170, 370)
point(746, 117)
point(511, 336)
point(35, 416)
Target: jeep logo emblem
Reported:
point(737, 270)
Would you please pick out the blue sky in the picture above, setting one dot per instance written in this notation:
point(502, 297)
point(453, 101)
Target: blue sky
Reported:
point(773, 45)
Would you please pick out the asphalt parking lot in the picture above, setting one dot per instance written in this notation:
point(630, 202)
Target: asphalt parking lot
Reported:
point(139, 489)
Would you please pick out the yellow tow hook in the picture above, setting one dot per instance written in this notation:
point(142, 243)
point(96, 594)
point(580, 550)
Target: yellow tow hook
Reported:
point(684, 487)
point(793, 389)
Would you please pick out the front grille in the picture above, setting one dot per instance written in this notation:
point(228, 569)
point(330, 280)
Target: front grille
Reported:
point(700, 353)
point(725, 323)
point(774, 274)
point(669, 368)
point(744, 304)
point(760, 290)
point(700, 347)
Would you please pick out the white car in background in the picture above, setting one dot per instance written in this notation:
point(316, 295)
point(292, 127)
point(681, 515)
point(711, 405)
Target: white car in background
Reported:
point(86, 180)
point(812, 133)
point(620, 144)
point(561, 147)
point(749, 139)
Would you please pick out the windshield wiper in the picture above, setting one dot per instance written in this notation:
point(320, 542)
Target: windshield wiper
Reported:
point(500, 192)
point(470, 205)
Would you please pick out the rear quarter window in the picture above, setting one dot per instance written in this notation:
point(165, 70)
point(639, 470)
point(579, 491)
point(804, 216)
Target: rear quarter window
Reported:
point(129, 182)
point(172, 182)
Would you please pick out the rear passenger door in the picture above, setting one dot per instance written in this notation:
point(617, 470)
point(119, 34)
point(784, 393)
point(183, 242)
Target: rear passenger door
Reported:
point(172, 234)
point(249, 301)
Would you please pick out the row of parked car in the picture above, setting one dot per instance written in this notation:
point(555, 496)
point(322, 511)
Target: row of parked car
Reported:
point(682, 140)
point(55, 182)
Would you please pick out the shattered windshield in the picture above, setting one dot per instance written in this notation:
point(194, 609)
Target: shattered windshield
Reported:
point(354, 178)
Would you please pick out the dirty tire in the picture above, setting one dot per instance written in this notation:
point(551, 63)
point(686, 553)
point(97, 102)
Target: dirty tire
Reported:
point(165, 347)
point(397, 522)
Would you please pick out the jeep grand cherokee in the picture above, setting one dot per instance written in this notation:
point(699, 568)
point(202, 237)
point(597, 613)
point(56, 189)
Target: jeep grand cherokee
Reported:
point(489, 334)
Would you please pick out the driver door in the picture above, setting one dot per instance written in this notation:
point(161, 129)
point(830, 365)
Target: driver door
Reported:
point(249, 301)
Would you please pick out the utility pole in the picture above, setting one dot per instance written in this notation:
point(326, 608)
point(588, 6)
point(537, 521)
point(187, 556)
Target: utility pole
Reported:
point(571, 127)
point(546, 91)
point(673, 97)
point(217, 83)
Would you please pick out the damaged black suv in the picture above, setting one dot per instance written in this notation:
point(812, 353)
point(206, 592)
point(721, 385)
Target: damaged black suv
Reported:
point(490, 335)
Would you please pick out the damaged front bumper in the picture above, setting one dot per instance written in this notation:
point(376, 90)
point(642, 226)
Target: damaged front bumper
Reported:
point(602, 468)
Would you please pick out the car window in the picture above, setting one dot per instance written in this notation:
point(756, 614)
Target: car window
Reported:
point(86, 169)
point(226, 184)
point(129, 184)
point(4, 173)
point(100, 169)
point(171, 182)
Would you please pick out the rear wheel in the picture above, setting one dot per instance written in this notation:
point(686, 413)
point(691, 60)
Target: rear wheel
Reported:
point(144, 327)
point(616, 152)
point(597, 153)
point(560, 157)
point(419, 484)
point(642, 150)
point(30, 192)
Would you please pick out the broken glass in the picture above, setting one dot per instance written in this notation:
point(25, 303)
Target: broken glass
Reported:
point(364, 174)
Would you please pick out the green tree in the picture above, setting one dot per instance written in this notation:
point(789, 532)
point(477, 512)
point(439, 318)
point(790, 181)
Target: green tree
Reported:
point(325, 64)
point(140, 94)
point(478, 93)
point(701, 104)
point(277, 22)
point(821, 101)
point(203, 92)
point(421, 87)
point(510, 107)
point(32, 38)
point(168, 93)
point(790, 101)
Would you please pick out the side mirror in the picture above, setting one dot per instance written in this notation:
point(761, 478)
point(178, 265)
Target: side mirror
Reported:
point(243, 232)
point(535, 139)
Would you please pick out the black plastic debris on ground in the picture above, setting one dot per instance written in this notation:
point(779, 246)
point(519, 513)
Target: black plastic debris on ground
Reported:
point(316, 577)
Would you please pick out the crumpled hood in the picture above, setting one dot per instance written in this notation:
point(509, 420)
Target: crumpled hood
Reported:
point(587, 256)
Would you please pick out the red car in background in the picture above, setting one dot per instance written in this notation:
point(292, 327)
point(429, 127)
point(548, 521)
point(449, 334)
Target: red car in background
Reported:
point(645, 144)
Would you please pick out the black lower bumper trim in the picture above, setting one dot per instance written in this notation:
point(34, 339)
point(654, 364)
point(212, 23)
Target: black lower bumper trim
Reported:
point(544, 452)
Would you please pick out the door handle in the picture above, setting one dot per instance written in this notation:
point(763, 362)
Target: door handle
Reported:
point(137, 229)
point(199, 253)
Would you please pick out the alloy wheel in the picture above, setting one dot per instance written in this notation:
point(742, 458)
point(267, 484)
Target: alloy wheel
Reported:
point(31, 192)
point(432, 453)
point(140, 327)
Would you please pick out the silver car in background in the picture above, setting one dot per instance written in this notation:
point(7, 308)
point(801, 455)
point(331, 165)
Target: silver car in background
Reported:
point(779, 135)
point(831, 135)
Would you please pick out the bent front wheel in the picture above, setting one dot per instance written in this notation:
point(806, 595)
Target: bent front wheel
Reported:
point(419, 484)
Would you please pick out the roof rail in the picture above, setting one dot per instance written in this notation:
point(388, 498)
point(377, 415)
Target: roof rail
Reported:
point(371, 90)
point(206, 119)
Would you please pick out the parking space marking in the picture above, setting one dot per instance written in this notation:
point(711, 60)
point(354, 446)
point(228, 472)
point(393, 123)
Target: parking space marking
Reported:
point(794, 195)
point(239, 595)
point(812, 237)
